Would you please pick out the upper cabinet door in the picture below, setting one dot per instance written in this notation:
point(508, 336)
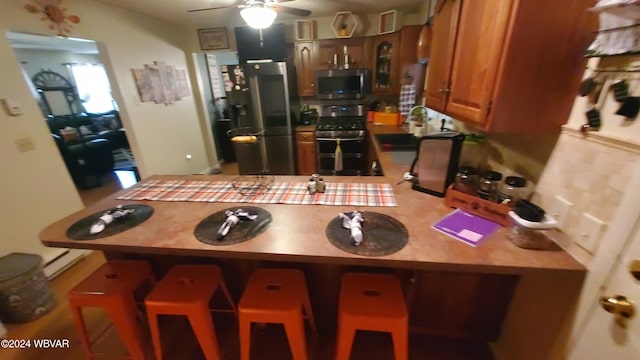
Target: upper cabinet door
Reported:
point(507, 65)
point(358, 50)
point(385, 63)
point(443, 44)
point(305, 68)
point(479, 43)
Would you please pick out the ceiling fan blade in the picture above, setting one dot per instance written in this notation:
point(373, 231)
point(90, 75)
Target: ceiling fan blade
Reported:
point(212, 8)
point(290, 10)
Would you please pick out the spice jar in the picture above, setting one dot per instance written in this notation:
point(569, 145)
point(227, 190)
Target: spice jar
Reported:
point(312, 185)
point(488, 186)
point(466, 180)
point(513, 189)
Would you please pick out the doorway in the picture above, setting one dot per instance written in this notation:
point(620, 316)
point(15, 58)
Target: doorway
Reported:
point(215, 92)
point(69, 83)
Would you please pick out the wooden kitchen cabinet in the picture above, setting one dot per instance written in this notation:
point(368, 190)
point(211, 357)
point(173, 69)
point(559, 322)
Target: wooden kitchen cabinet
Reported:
point(305, 67)
point(442, 45)
point(357, 48)
point(306, 151)
point(508, 65)
point(385, 62)
point(391, 53)
point(384, 54)
point(318, 55)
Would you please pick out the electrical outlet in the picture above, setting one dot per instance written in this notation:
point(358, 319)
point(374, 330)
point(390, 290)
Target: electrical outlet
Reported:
point(590, 231)
point(560, 210)
point(24, 144)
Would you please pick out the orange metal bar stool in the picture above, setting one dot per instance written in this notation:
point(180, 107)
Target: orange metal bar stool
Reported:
point(112, 287)
point(187, 290)
point(372, 302)
point(276, 296)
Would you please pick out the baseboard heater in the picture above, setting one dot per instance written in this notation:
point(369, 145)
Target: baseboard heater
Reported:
point(63, 261)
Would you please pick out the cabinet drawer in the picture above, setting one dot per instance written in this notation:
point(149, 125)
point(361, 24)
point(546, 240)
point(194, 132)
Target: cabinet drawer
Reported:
point(305, 136)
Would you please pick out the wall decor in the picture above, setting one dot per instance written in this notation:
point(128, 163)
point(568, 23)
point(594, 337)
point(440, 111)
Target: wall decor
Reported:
point(213, 38)
point(345, 24)
point(387, 22)
point(305, 29)
point(54, 12)
point(161, 83)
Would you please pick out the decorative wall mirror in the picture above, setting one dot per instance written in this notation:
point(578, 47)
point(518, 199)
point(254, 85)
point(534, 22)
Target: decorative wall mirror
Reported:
point(58, 95)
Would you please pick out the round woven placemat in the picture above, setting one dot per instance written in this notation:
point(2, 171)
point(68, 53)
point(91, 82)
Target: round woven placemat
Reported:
point(381, 235)
point(80, 230)
point(207, 230)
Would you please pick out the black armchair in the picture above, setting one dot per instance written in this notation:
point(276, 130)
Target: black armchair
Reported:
point(86, 160)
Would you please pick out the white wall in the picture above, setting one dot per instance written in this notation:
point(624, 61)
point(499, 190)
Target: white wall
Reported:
point(35, 186)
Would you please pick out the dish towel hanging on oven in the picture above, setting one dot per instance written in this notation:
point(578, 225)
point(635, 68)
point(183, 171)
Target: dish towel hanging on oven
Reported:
point(407, 99)
point(337, 165)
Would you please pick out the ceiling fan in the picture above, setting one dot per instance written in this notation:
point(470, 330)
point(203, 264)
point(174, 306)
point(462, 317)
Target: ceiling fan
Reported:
point(266, 4)
point(260, 14)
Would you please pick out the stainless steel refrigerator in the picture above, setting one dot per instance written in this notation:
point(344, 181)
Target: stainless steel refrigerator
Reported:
point(261, 96)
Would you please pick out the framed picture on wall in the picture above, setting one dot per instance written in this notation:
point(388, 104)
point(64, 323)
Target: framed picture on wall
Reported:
point(213, 38)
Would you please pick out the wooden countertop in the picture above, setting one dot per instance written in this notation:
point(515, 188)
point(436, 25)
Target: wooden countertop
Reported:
point(297, 233)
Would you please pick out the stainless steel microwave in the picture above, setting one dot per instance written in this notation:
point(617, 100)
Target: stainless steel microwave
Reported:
point(343, 83)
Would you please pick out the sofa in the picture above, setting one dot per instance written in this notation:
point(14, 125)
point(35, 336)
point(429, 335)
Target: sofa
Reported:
point(86, 143)
point(88, 126)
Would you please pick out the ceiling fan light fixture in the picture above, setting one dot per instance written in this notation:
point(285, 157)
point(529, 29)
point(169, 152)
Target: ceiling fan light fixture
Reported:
point(258, 17)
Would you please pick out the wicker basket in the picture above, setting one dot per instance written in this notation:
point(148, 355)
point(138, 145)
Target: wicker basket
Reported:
point(24, 288)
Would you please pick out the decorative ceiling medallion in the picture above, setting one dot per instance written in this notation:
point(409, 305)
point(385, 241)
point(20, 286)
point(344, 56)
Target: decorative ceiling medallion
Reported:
point(53, 11)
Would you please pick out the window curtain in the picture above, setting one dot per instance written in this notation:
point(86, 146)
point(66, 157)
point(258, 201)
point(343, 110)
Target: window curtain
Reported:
point(93, 87)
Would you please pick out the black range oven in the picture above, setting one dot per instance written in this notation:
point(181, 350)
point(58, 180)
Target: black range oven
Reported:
point(343, 125)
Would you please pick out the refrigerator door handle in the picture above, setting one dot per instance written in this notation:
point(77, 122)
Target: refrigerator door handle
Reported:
point(255, 100)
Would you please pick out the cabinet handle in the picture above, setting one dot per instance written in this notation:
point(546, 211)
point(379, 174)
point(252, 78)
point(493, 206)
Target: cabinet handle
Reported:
point(445, 90)
point(312, 84)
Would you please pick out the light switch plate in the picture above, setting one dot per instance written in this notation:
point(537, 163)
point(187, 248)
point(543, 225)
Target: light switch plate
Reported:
point(11, 107)
point(560, 209)
point(590, 231)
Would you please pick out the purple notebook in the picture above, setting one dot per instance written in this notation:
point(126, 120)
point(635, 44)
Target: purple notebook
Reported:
point(471, 229)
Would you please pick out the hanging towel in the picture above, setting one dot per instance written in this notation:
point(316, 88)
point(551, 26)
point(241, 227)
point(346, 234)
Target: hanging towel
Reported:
point(337, 165)
point(407, 99)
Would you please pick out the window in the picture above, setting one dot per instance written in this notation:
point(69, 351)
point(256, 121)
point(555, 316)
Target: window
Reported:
point(93, 87)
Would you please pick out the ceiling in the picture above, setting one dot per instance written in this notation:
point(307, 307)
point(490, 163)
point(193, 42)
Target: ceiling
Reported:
point(176, 10)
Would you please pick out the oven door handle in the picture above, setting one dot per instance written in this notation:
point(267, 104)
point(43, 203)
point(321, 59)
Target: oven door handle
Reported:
point(341, 139)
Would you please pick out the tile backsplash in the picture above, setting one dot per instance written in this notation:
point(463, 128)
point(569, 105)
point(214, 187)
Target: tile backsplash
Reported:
point(592, 173)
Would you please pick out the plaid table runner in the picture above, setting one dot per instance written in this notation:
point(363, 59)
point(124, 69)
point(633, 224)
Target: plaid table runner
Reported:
point(357, 194)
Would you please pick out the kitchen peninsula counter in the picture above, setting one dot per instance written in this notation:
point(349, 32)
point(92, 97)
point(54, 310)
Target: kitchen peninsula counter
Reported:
point(297, 233)
point(495, 291)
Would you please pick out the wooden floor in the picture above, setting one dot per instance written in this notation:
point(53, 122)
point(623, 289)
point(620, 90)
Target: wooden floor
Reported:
point(269, 342)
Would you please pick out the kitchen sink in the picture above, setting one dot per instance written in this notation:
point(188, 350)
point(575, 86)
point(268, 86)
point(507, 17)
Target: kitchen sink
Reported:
point(397, 142)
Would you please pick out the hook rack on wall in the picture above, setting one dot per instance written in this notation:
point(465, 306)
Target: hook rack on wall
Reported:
point(615, 70)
